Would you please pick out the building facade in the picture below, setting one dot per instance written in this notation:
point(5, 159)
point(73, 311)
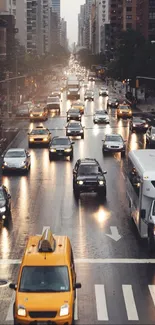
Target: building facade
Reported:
point(3, 26)
point(56, 9)
point(21, 21)
point(63, 33)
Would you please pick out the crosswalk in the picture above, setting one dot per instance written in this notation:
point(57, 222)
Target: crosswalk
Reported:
point(103, 306)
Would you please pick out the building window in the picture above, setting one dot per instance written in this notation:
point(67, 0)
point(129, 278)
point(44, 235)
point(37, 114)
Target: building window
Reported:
point(129, 9)
point(128, 17)
point(152, 15)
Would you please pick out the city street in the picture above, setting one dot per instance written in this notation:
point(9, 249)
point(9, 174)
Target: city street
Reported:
point(112, 262)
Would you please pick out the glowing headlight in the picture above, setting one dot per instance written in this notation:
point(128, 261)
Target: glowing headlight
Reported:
point(45, 139)
point(146, 125)
point(81, 131)
point(64, 310)
point(134, 125)
point(68, 115)
point(80, 182)
point(21, 311)
point(3, 209)
point(101, 182)
point(31, 115)
point(109, 103)
point(69, 131)
point(68, 92)
point(31, 140)
point(5, 163)
point(41, 114)
point(79, 115)
point(53, 150)
point(130, 112)
point(68, 150)
point(23, 163)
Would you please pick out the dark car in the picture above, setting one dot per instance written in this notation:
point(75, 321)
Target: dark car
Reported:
point(112, 102)
point(89, 177)
point(114, 143)
point(61, 147)
point(138, 124)
point(74, 114)
point(150, 137)
point(89, 95)
point(74, 128)
point(5, 204)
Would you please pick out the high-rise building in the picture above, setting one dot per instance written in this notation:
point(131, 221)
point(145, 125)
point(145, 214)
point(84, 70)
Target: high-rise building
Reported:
point(63, 33)
point(3, 26)
point(82, 26)
point(102, 18)
point(56, 10)
point(142, 17)
point(54, 29)
point(8, 7)
point(21, 21)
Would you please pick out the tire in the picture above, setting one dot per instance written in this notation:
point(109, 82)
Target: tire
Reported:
point(123, 154)
point(82, 136)
point(102, 194)
point(76, 193)
point(30, 145)
point(151, 238)
point(50, 157)
point(71, 157)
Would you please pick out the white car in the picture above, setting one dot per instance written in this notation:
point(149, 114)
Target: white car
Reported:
point(114, 143)
point(103, 91)
point(16, 159)
point(101, 116)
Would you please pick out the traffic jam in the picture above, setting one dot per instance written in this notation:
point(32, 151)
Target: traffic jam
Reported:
point(77, 207)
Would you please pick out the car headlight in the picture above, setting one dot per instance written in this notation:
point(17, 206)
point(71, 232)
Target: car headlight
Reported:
point(45, 139)
point(5, 163)
point(68, 92)
point(146, 125)
point(41, 114)
point(80, 182)
point(52, 150)
point(116, 103)
point(134, 125)
point(68, 115)
point(130, 112)
point(101, 182)
point(3, 209)
point(79, 115)
point(68, 150)
point(21, 311)
point(31, 139)
point(64, 310)
point(31, 115)
point(68, 131)
point(23, 163)
point(78, 93)
point(81, 131)
point(109, 103)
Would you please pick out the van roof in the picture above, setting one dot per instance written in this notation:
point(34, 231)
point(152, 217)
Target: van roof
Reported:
point(144, 162)
point(34, 257)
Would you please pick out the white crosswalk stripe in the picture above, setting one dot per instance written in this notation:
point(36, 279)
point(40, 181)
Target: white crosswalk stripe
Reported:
point(102, 307)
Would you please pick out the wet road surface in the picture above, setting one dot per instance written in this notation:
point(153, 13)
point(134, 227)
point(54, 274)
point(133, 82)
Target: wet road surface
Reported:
point(117, 287)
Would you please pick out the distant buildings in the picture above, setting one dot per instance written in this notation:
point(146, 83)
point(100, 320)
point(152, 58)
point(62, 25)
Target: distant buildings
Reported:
point(38, 23)
point(100, 22)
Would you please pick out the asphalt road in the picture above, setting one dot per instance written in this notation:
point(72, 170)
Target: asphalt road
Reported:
point(118, 283)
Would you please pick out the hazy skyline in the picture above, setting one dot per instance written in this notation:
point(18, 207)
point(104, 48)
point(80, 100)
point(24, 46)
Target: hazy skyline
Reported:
point(69, 11)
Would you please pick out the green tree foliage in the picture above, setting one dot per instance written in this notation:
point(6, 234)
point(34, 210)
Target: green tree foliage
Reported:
point(87, 59)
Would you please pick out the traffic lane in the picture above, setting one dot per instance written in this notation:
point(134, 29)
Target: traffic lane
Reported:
point(111, 293)
point(48, 200)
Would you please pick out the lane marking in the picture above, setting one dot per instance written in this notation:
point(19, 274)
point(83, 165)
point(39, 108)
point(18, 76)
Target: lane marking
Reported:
point(123, 175)
point(76, 308)
point(101, 305)
point(92, 261)
point(152, 292)
point(130, 302)
point(10, 309)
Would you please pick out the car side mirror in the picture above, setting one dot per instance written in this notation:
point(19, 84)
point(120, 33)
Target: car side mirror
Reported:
point(142, 213)
point(77, 286)
point(104, 172)
point(72, 142)
point(9, 196)
point(13, 286)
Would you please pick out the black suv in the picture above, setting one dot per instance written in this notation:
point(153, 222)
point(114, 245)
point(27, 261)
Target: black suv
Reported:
point(89, 177)
point(5, 204)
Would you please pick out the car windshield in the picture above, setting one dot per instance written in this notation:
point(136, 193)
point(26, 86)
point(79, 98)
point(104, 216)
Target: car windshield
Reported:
point(60, 141)
point(37, 109)
point(88, 170)
point(113, 138)
point(15, 154)
point(138, 120)
point(124, 107)
point(153, 209)
point(1, 195)
point(76, 111)
point(74, 125)
point(53, 99)
point(23, 108)
point(113, 99)
point(153, 131)
point(44, 279)
point(101, 112)
point(89, 93)
point(39, 131)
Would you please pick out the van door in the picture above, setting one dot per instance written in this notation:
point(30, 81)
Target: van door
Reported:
point(151, 227)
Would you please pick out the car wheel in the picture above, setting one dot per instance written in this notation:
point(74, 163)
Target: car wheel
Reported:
point(71, 156)
point(123, 154)
point(102, 194)
point(50, 157)
point(151, 239)
point(82, 136)
point(76, 193)
point(29, 145)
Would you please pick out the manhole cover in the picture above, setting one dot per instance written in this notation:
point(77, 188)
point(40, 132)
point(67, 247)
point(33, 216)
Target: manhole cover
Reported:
point(3, 283)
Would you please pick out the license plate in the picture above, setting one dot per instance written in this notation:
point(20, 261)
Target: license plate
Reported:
point(42, 323)
point(60, 153)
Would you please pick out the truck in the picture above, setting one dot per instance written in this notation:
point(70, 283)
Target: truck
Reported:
point(73, 88)
point(141, 192)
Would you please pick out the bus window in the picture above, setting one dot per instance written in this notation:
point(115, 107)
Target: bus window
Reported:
point(134, 177)
point(153, 208)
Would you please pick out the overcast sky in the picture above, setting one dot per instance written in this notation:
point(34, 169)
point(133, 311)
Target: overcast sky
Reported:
point(69, 11)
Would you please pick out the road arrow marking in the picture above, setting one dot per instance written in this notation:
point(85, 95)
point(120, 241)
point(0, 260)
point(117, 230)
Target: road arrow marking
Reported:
point(114, 234)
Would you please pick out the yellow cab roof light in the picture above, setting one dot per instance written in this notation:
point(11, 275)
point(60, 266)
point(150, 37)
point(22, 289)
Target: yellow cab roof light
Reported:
point(47, 242)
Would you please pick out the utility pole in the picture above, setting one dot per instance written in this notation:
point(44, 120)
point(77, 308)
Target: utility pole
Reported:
point(16, 82)
point(8, 93)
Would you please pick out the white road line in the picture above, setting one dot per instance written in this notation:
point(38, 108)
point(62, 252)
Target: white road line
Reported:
point(9, 316)
point(76, 308)
point(130, 302)
point(152, 292)
point(123, 175)
point(101, 305)
point(93, 261)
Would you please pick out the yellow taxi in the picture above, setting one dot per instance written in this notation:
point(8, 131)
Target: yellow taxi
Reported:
point(124, 110)
point(78, 105)
point(46, 286)
point(39, 135)
point(38, 113)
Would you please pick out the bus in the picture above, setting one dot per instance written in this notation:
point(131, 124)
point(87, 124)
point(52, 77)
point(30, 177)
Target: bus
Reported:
point(141, 192)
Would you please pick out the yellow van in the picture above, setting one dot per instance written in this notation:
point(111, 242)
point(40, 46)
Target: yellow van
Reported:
point(46, 287)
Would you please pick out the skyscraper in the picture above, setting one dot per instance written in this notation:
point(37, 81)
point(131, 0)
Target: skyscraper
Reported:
point(56, 10)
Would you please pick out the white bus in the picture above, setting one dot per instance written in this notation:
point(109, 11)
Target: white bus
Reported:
point(141, 192)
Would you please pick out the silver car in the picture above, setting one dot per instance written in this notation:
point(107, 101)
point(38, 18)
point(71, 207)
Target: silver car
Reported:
point(16, 160)
point(114, 143)
point(101, 116)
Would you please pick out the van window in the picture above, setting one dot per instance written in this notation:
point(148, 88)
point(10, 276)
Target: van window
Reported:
point(134, 177)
